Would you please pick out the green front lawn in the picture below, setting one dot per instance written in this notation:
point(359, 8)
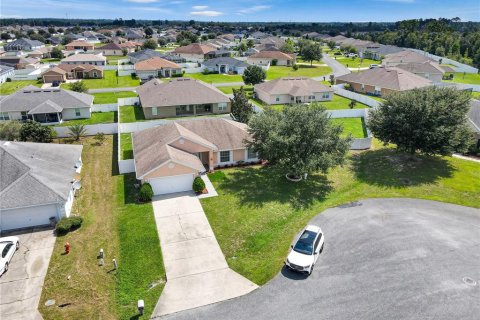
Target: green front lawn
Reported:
point(275, 72)
point(212, 78)
point(11, 87)
point(126, 148)
point(131, 114)
point(95, 118)
point(125, 229)
point(47, 60)
point(265, 211)
point(229, 89)
point(356, 62)
point(111, 97)
point(110, 80)
point(470, 78)
point(354, 126)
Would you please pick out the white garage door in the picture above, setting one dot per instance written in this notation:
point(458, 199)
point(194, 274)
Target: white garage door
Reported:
point(26, 217)
point(172, 184)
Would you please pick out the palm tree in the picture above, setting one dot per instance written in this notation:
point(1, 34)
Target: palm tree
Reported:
point(77, 131)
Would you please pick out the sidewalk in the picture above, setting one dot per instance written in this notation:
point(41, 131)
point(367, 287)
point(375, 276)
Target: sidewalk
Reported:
point(197, 272)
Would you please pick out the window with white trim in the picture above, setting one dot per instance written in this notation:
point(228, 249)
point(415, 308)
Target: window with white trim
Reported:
point(251, 154)
point(4, 116)
point(77, 112)
point(224, 156)
point(222, 106)
point(154, 111)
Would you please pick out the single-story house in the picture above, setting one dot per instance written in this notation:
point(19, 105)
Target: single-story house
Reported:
point(382, 81)
point(23, 44)
point(225, 65)
point(156, 67)
point(149, 53)
point(429, 70)
point(264, 58)
point(50, 106)
point(38, 182)
point(193, 52)
point(5, 73)
point(40, 53)
point(64, 72)
point(18, 62)
point(181, 97)
point(402, 57)
point(86, 58)
point(219, 53)
point(170, 156)
point(131, 46)
point(292, 90)
point(111, 49)
point(79, 45)
point(133, 34)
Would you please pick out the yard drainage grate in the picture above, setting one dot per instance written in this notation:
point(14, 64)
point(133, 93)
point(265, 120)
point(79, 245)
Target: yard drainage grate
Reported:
point(469, 281)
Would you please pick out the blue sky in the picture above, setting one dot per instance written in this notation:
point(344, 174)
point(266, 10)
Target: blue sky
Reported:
point(245, 10)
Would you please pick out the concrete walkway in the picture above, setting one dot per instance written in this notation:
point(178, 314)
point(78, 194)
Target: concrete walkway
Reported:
point(197, 272)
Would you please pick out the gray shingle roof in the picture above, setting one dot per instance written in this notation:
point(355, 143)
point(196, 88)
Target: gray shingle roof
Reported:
point(30, 97)
point(225, 60)
point(22, 43)
point(36, 173)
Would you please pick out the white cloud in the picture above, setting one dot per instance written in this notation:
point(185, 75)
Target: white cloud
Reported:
point(156, 9)
point(199, 8)
point(254, 9)
point(206, 13)
point(142, 1)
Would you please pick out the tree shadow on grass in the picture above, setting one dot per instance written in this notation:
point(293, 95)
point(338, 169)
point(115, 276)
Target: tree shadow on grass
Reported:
point(115, 170)
point(257, 187)
point(391, 168)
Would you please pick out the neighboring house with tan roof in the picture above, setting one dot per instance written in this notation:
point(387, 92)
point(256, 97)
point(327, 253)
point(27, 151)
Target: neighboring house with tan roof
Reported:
point(429, 70)
point(110, 49)
point(156, 67)
point(402, 57)
point(50, 106)
point(170, 156)
point(40, 53)
point(79, 45)
point(292, 90)
point(264, 58)
point(193, 52)
point(131, 46)
point(86, 58)
point(382, 81)
point(181, 97)
point(64, 72)
point(18, 62)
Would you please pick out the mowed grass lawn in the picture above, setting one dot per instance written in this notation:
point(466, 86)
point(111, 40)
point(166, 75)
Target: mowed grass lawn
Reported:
point(470, 78)
point(125, 229)
point(214, 78)
point(265, 211)
point(275, 72)
point(110, 80)
point(11, 87)
point(95, 118)
point(229, 89)
point(111, 97)
point(112, 60)
point(126, 148)
point(131, 114)
point(356, 62)
point(354, 126)
point(337, 103)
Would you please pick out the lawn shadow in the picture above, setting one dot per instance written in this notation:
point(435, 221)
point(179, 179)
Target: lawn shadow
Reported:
point(139, 115)
point(391, 168)
point(115, 116)
point(115, 170)
point(256, 187)
point(129, 189)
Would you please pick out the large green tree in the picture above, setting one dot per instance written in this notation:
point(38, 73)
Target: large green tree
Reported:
point(78, 86)
point(300, 139)
point(312, 51)
point(253, 75)
point(430, 120)
point(10, 130)
point(149, 44)
point(242, 109)
point(35, 132)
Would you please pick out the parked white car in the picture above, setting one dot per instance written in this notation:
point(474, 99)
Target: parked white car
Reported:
point(305, 251)
point(8, 247)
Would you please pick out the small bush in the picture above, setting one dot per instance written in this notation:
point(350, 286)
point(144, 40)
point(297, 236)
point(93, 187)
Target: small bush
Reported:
point(295, 67)
point(198, 185)
point(9, 80)
point(67, 224)
point(76, 222)
point(146, 192)
point(177, 75)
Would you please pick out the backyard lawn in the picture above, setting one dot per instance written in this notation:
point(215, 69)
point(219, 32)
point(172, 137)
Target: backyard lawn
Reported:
point(48, 60)
point(113, 60)
point(126, 148)
point(110, 80)
point(95, 118)
point(356, 62)
point(265, 211)
point(11, 87)
point(229, 89)
point(354, 126)
point(470, 78)
point(337, 103)
point(275, 72)
point(111, 97)
point(131, 114)
point(214, 78)
point(125, 229)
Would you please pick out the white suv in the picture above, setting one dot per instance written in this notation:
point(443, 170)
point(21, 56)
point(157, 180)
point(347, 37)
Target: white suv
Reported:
point(305, 251)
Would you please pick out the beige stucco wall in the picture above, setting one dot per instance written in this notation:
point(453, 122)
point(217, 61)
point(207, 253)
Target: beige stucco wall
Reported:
point(286, 98)
point(68, 114)
point(265, 61)
point(164, 171)
point(170, 111)
point(367, 88)
point(239, 155)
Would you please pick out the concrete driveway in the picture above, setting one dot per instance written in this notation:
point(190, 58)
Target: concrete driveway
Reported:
point(383, 259)
point(197, 272)
point(21, 286)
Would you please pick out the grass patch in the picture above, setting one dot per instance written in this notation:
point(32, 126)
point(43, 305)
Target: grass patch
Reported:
point(265, 211)
point(214, 78)
point(476, 95)
point(337, 103)
point(11, 87)
point(47, 60)
point(356, 62)
point(126, 147)
point(113, 60)
point(354, 126)
point(131, 114)
point(110, 80)
point(275, 72)
point(111, 97)
point(124, 229)
point(95, 118)
point(229, 89)
point(470, 78)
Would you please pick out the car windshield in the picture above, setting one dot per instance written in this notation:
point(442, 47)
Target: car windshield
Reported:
point(305, 243)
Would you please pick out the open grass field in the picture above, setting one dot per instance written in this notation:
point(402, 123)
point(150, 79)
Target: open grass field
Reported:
point(96, 118)
point(10, 87)
point(111, 97)
point(470, 78)
point(214, 78)
point(265, 211)
point(110, 80)
point(354, 126)
point(275, 72)
point(125, 229)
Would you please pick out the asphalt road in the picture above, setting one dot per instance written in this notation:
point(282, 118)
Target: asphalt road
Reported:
point(383, 259)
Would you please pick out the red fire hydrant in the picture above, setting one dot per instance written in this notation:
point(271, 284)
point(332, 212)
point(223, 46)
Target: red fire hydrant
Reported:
point(67, 247)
